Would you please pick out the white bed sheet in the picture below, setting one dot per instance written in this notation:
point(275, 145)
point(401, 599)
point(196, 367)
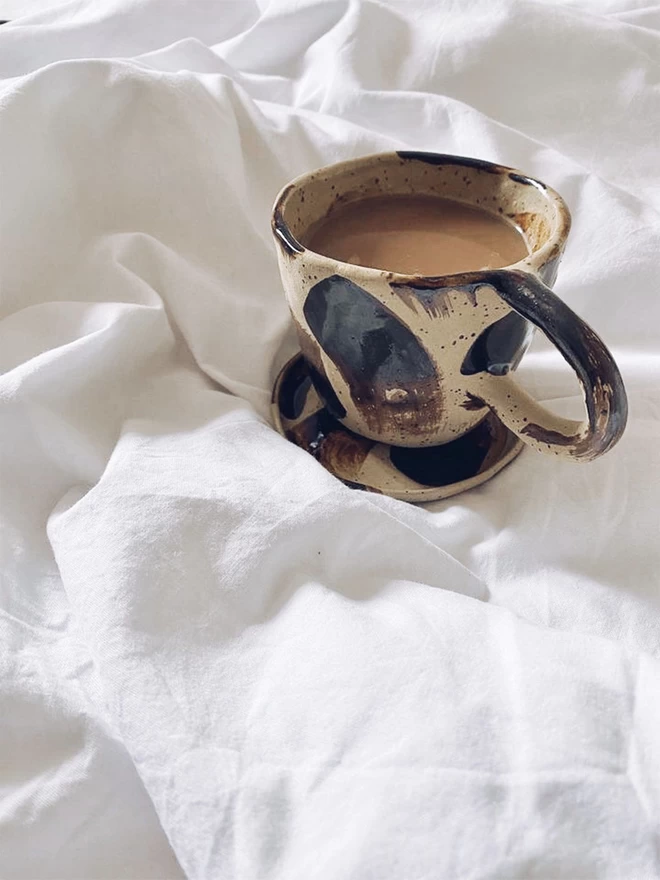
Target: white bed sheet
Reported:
point(216, 661)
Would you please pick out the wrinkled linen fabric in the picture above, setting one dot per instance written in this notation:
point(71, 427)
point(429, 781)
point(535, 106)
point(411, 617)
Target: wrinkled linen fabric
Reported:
point(216, 661)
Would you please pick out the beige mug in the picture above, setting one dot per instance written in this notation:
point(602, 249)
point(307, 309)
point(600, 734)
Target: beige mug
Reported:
point(412, 360)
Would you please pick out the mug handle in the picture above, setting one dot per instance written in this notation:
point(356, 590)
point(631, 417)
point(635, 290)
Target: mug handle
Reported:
point(604, 392)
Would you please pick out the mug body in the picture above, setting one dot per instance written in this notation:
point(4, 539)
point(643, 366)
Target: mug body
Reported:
point(390, 354)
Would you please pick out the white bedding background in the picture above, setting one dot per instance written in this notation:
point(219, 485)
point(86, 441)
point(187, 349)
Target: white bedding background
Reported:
point(216, 661)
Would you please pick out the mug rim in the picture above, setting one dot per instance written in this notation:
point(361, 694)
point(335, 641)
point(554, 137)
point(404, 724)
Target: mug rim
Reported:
point(532, 262)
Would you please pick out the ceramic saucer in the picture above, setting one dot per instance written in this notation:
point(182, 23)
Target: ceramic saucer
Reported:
point(410, 474)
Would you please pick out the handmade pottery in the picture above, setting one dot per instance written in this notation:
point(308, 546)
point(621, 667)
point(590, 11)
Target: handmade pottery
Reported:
point(418, 361)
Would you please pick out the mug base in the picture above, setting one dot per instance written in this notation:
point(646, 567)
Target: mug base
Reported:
point(410, 474)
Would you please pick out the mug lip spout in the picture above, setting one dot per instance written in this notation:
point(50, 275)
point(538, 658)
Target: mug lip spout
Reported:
point(549, 250)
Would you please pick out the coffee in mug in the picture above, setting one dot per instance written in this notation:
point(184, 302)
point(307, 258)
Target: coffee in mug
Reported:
point(425, 235)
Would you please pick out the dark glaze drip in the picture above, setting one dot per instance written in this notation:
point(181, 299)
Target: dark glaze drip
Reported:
point(528, 181)
point(447, 159)
point(472, 402)
point(433, 294)
point(450, 463)
point(435, 302)
point(499, 347)
point(468, 162)
point(289, 244)
point(286, 240)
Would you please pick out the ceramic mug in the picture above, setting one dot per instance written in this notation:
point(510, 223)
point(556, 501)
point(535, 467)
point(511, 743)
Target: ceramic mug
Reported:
point(413, 360)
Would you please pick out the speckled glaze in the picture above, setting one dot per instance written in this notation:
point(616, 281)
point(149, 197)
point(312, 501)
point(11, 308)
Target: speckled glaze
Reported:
point(418, 361)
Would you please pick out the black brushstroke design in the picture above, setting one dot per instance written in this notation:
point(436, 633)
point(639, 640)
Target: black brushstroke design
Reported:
point(370, 346)
point(452, 462)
